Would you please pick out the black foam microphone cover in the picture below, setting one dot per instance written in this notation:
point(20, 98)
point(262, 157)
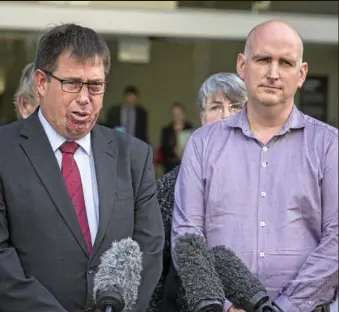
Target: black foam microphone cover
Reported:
point(241, 287)
point(195, 266)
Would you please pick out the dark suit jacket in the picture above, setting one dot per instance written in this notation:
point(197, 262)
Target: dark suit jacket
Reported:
point(141, 126)
point(44, 265)
point(169, 295)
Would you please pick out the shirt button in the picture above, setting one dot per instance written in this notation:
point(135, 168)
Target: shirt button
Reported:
point(262, 255)
point(263, 194)
point(265, 148)
point(262, 224)
point(264, 164)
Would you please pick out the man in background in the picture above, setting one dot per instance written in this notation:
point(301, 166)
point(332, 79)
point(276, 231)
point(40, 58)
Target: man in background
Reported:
point(25, 98)
point(130, 117)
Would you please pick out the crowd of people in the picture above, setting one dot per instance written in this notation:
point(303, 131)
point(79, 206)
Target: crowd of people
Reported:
point(259, 176)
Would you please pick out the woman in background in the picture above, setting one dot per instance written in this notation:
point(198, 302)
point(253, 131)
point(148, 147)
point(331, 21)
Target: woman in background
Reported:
point(220, 96)
point(170, 147)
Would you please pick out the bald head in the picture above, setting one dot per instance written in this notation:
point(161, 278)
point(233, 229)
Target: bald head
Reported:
point(276, 29)
point(272, 65)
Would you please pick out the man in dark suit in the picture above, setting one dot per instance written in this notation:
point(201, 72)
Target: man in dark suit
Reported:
point(131, 117)
point(69, 188)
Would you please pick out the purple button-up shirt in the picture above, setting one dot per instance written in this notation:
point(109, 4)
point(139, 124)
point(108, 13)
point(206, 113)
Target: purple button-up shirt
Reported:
point(274, 205)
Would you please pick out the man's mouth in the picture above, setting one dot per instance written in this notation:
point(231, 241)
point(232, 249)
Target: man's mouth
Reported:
point(80, 116)
point(271, 87)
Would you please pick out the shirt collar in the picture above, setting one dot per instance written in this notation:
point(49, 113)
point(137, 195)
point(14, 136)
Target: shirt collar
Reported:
point(296, 120)
point(57, 140)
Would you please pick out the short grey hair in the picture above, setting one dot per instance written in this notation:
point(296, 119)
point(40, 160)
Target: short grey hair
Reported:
point(229, 84)
point(26, 86)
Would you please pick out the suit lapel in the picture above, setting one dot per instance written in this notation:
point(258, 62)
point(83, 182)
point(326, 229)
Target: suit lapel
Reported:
point(105, 159)
point(37, 147)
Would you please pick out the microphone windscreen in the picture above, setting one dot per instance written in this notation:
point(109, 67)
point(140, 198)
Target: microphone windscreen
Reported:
point(195, 266)
point(120, 271)
point(240, 285)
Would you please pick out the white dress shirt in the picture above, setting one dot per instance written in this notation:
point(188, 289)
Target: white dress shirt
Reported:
point(84, 159)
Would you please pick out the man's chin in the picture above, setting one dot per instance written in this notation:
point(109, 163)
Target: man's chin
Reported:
point(76, 132)
point(269, 100)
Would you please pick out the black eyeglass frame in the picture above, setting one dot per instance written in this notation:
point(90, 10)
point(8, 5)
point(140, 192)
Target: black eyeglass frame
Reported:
point(63, 82)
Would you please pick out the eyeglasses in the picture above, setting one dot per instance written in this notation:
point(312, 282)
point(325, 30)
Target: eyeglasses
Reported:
point(74, 86)
point(217, 109)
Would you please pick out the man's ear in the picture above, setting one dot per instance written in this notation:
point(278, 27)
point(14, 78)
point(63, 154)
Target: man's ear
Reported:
point(41, 82)
point(302, 74)
point(241, 65)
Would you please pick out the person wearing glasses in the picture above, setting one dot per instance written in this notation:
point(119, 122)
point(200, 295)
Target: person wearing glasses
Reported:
point(69, 188)
point(26, 97)
point(220, 96)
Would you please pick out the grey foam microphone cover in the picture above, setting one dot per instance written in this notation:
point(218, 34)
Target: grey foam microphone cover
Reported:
point(120, 271)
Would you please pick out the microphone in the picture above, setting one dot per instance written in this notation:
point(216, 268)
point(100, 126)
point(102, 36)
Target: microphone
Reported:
point(118, 278)
point(195, 266)
point(241, 287)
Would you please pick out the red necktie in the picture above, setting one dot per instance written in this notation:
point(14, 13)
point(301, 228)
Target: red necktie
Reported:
point(71, 174)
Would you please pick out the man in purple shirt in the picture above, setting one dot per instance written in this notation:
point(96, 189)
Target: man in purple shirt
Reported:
point(264, 182)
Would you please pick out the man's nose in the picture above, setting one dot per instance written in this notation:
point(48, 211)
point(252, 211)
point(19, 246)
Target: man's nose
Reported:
point(84, 95)
point(273, 72)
